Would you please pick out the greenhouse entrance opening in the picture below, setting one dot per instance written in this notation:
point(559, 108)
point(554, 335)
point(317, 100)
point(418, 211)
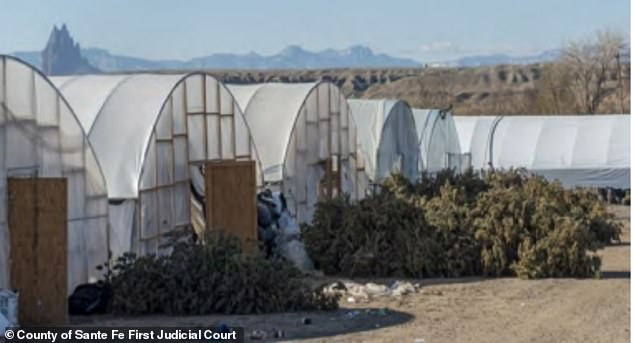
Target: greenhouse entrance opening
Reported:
point(38, 226)
point(230, 189)
point(330, 184)
point(459, 162)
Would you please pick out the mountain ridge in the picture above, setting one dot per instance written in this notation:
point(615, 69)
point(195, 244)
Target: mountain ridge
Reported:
point(71, 58)
point(291, 57)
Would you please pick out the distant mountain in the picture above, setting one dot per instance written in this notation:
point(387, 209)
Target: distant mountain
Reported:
point(496, 59)
point(67, 57)
point(62, 56)
point(292, 57)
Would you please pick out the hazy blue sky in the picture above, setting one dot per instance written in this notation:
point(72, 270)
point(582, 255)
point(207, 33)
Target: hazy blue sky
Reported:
point(424, 30)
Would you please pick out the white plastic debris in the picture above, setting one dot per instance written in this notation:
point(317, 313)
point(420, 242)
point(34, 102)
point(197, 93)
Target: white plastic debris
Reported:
point(295, 252)
point(8, 310)
point(402, 288)
point(288, 239)
point(4, 324)
point(376, 290)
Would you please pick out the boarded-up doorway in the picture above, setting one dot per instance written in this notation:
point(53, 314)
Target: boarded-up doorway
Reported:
point(38, 232)
point(230, 191)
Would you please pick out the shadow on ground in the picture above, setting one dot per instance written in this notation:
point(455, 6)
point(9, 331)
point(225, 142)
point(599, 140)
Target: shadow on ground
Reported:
point(609, 274)
point(321, 324)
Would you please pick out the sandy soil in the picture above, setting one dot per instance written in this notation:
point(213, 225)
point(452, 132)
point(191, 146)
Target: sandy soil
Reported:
point(460, 310)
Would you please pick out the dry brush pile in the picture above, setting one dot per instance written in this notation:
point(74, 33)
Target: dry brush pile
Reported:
point(450, 225)
point(214, 277)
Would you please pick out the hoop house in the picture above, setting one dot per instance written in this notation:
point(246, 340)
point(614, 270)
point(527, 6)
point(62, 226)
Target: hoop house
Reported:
point(40, 137)
point(306, 139)
point(388, 138)
point(439, 142)
point(577, 150)
point(153, 134)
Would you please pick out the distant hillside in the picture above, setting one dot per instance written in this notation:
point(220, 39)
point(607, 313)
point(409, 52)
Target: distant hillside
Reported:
point(507, 87)
point(292, 57)
point(497, 59)
point(502, 89)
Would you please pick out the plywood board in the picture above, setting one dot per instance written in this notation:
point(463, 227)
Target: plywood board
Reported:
point(230, 189)
point(38, 227)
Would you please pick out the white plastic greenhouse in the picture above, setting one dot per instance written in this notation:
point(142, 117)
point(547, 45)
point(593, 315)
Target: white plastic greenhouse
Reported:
point(40, 137)
point(439, 142)
point(387, 137)
point(306, 139)
point(152, 135)
point(577, 150)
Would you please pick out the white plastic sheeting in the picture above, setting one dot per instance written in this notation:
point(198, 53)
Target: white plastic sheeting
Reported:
point(41, 137)
point(297, 128)
point(387, 134)
point(582, 150)
point(152, 134)
point(439, 142)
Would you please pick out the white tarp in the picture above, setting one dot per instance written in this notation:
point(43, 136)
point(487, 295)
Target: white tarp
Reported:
point(581, 150)
point(387, 134)
point(41, 137)
point(297, 127)
point(152, 133)
point(438, 140)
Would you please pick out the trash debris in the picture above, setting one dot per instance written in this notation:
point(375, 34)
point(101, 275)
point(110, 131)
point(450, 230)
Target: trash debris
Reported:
point(365, 292)
point(351, 300)
point(89, 298)
point(352, 314)
point(4, 324)
point(400, 288)
point(374, 289)
point(287, 233)
point(8, 309)
point(357, 291)
point(258, 335)
point(278, 334)
point(295, 251)
point(338, 286)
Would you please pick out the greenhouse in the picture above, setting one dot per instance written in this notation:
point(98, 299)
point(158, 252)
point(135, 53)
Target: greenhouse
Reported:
point(387, 137)
point(439, 143)
point(153, 135)
point(306, 140)
point(54, 204)
point(577, 150)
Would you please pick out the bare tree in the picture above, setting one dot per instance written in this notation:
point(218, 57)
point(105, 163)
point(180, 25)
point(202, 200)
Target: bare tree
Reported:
point(589, 65)
point(553, 94)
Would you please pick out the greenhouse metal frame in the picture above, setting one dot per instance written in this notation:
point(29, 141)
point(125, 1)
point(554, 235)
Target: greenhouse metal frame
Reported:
point(577, 150)
point(388, 139)
point(439, 142)
point(306, 139)
point(153, 133)
point(41, 137)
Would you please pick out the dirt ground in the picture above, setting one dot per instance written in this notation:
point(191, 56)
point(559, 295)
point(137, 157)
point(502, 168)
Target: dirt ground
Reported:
point(459, 310)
